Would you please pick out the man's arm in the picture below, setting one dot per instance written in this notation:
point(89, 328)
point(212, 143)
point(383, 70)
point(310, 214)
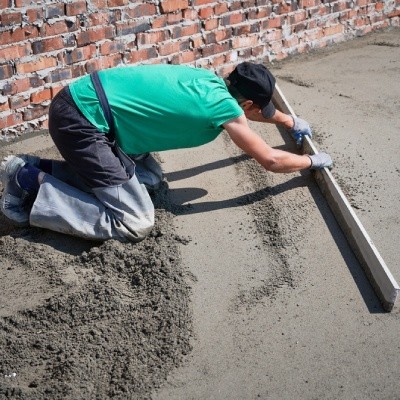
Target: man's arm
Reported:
point(279, 118)
point(271, 159)
point(296, 126)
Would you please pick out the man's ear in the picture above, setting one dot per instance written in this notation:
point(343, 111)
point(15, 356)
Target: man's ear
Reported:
point(246, 105)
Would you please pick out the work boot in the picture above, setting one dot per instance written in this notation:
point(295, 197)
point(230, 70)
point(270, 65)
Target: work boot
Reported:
point(15, 201)
point(33, 160)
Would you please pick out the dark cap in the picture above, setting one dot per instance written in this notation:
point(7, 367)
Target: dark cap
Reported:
point(255, 82)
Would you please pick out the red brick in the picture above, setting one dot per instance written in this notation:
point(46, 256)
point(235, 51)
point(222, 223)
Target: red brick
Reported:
point(235, 6)
point(18, 102)
point(103, 63)
point(233, 19)
point(35, 81)
point(35, 112)
point(291, 41)
point(40, 96)
point(55, 90)
point(5, 4)
point(34, 14)
point(258, 51)
point(246, 29)
point(307, 3)
point(273, 23)
point(174, 18)
point(168, 48)
point(394, 13)
point(79, 54)
point(113, 47)
point(188, 30)
point(197, 42)
point(4, 106)
point(58, 28)
point(340, 6)
point(202, 2)
point(316, 34)
point(24, 3)
point(46, 45)
point(14, 52)
point(17, 86)
point(209, 37)
point(221, 8)
point(94, 35)
point(276, 47)
point(285, 8)
point(186, 57)
point(159, 22)
point(59, 74)
point(333, 30)
point(152, 37)
point(12, 36)
point(78, 70)
point(141, 10)
point(99, 18)
point(11, 120)
point(6, 71)
point(190, 14)
point(99, 4)
point(298, 17)
point(168, 6)
point(54, 10)
point(271, 36)
point(206, 12)
point(37, 65)
point(141, 55)
point(248, 3)
point(78, 7)
point(117, 3)
point(222, 34)
point(130, 27)
point(299, 27)
point(215, 49)
point(218, 60)
point(244, 41)
point(258, 13)
point(211, 24)
point(11, 18)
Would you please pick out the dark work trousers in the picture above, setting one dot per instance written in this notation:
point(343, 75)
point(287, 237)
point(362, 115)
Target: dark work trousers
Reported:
point(95, 193)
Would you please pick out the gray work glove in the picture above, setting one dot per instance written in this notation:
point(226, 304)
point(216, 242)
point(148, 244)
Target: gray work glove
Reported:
point(320, 160)
point(300, 129)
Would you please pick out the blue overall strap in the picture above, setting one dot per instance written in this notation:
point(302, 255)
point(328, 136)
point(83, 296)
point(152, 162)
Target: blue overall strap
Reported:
point(104, 104)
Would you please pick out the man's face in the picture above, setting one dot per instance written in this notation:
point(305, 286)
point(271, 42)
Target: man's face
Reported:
point(252, 111)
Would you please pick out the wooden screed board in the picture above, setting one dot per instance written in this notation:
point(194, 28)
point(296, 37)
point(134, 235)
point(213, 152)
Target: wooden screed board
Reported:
point(379, 275)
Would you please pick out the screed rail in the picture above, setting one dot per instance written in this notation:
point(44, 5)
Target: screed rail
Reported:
point(379, 275)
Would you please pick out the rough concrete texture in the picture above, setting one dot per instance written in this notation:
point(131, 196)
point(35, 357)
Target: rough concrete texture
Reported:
point(247, 284)
point(352, 100)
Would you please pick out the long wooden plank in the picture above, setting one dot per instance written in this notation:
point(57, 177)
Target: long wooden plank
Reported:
point(379, 275)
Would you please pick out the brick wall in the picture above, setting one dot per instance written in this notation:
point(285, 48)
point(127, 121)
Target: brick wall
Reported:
point(46, 44)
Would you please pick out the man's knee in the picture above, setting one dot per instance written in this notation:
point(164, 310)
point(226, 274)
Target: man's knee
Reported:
point(139, 229)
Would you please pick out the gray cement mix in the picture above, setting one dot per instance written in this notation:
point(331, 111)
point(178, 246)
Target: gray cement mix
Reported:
point(246, 288)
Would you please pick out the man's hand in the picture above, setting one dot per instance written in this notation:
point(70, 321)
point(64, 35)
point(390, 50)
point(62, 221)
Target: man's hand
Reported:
point(320, 160)
point(300, 129)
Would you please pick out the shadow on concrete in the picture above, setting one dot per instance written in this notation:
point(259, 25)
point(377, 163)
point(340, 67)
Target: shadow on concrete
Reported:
point(179, 197)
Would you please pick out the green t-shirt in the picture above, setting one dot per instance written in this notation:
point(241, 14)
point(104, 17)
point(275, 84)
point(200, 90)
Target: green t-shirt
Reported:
point(158, 107)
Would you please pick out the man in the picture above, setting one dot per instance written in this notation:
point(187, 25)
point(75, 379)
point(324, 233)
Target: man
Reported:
point(99, 192)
